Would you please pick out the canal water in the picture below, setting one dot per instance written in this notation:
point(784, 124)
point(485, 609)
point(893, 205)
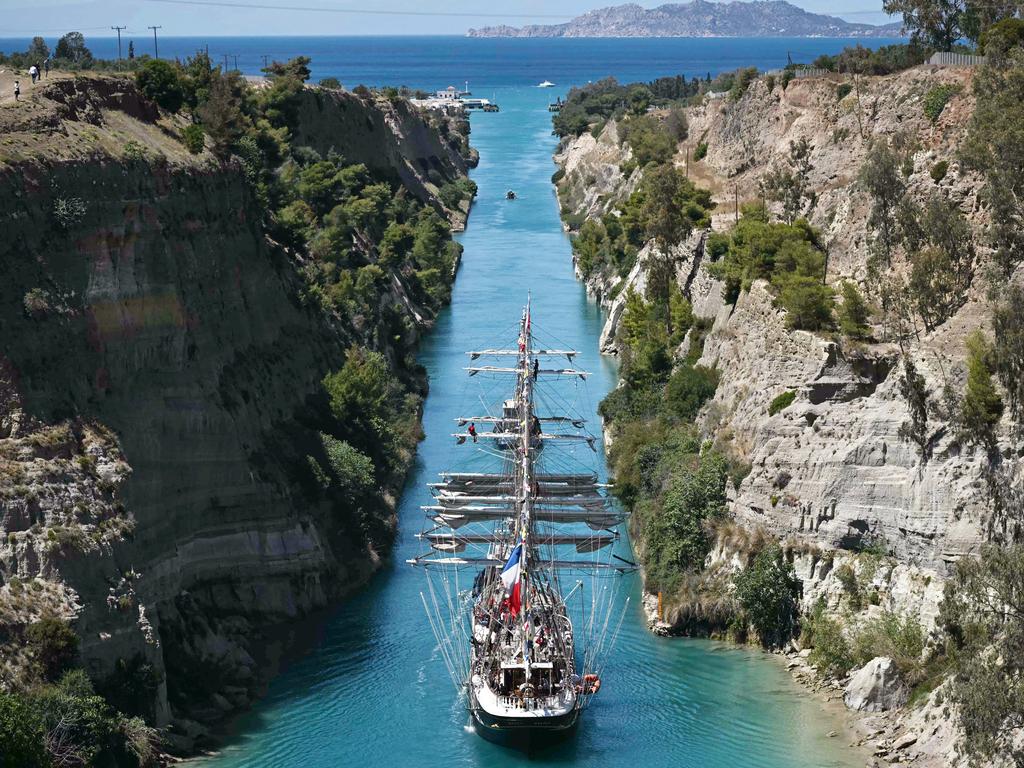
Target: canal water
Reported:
point(374, 691)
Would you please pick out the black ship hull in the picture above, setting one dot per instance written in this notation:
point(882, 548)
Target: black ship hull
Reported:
point(523, 732)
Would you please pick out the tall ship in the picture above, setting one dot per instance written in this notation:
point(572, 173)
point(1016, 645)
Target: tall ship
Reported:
point(501, 537)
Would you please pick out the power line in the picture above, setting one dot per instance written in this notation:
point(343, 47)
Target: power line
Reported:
point(363, 11)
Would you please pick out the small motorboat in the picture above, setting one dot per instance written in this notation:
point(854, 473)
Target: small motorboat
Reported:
point(546, 84)
point(510, 195)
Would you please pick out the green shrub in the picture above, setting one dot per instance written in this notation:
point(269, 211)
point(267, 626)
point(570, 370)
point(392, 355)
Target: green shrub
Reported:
point(353, 470)
point(938, 171)
point(649, 139)
point(22, 734)
point(781, 402)
point(808, 303)
point(901, 638)
point(53, 644)
point(558, 175)
point(937, 98)
point(787, 78)
point(36, 302)
point(674, 524)
point(846, 576)
point(160, 81)
point(769, 83)
point(999, 38)
point(700, 151)
point(688, 389)
point(68, 211)
point(768, 590)
point(982, 407)
point(133, 150)
point(194, 138)
point(332, 83)
point(843, 90)
point(741, 82)
point(853, 312)
point(830, 651)
point(983, 614)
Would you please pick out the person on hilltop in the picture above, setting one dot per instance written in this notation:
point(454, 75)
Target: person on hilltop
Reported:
point(34, 73)
point(17, 90)
point(46, 66)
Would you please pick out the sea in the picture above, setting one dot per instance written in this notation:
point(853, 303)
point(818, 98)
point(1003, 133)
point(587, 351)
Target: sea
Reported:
point(370, 688)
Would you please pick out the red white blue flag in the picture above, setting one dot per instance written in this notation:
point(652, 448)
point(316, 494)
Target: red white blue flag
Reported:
point(510, 578)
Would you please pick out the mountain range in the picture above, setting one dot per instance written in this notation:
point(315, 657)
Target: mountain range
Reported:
point(698, 18)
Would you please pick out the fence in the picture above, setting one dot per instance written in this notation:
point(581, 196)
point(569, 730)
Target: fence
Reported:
point(947, 59)
point(804, 72)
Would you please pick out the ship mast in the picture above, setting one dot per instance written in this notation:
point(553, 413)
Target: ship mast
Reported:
point(526, 462)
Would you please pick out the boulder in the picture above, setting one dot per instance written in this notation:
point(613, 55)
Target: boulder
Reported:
point(876, 687)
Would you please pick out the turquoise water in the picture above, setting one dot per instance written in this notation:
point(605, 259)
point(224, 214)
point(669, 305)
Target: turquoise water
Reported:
point(374, 692)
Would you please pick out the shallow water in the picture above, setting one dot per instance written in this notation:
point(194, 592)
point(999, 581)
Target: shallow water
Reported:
point(374, 691)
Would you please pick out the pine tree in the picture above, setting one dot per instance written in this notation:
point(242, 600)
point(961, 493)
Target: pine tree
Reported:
point(982, 406)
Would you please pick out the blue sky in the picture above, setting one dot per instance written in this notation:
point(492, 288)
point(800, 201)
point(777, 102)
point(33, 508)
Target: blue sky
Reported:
point(19, 18)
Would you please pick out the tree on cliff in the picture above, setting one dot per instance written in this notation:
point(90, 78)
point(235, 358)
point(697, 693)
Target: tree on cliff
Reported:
point(160, 81)
point(788, 184)
point(941, 23)
point(768, 590)
point(983, 615)
point(995, 146)
point(915, 392)
point(982, 406)
point(71, 49)
point(1008, 352)
point(297, 68)
point(221, 114)
point(880, 177)
point(37, 51)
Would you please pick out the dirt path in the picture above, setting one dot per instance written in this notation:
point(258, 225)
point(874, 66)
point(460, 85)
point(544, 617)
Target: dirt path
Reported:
point(8, 76)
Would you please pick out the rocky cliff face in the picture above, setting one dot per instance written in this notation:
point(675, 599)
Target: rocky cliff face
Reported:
point(831, 473)
point(160, 387)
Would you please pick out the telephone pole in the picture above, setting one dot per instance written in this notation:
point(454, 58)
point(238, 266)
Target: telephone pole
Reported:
point(265, 57)
point(225, 55)
point(235, 57)
point(119, 41)
point(156, 47)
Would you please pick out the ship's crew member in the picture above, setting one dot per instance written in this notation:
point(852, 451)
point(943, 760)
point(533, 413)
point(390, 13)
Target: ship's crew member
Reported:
point(472, 431)
point(535, 427)
point(536, 368)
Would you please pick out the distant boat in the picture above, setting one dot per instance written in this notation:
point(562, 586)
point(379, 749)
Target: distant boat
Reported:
point(546, 84)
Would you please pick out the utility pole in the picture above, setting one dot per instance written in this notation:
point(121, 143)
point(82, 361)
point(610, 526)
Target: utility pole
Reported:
point(119, 41)
point(736, 202)
point(156, 47)
point(265, 63)
point(225, 62)
point(235, 56)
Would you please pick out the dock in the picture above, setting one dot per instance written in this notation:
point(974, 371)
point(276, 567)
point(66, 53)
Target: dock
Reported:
point(452, 99)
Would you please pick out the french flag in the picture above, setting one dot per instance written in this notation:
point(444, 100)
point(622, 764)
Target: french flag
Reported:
point(510, 578)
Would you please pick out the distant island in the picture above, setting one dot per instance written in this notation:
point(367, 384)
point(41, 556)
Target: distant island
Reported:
point(763, 18)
